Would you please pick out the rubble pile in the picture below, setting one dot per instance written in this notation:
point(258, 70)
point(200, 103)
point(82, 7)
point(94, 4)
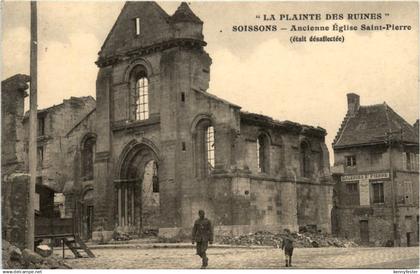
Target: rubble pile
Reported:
point(305, 239)
point(120, 235)
point(14, 258)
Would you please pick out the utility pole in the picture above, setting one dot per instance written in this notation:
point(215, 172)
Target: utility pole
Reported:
point(33, 123)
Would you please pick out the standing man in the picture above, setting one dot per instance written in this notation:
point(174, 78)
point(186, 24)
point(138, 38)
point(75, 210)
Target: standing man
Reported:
point(202, 234)
point(287, 245)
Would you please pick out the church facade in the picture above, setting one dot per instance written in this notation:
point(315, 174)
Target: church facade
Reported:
point(165, 147)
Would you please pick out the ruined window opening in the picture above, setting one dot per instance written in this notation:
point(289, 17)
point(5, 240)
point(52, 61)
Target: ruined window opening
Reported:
point(183, 146)
point(142, 99)
point(40, 157)
point(88, 154)
point(305, 159)
point(262, 153)
point(210, 147)
point(137, 25)
point(204, 148)
point(182, 96)
point(351, 161)
point(378, 192)
point(41, 126)
point(155, 178)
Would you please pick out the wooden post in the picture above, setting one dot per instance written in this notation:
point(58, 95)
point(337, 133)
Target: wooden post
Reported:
point(32, 128)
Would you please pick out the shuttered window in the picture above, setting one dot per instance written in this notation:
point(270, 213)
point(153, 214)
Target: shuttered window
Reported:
point(378, 192)
point(408, 192)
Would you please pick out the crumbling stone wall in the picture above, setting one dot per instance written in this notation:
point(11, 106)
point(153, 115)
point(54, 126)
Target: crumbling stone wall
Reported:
point(13, 94)
point(14, 184)
point(379, 221)
point(14, 198)
point(58, 121)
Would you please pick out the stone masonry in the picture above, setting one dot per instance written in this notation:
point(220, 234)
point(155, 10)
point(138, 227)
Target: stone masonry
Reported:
point(376, 171)
point(265, 174)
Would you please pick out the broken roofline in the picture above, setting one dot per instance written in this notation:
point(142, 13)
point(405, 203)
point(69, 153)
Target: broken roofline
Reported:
point(258, 119)
point(16, 82)
point(262, 120)
point(45, 110)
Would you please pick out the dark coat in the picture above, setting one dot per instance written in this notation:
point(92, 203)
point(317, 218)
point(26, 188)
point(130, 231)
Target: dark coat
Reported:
point(202, 231)
point(287, 244)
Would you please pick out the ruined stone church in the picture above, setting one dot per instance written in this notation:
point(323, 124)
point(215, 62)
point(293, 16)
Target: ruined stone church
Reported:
point(165, 147)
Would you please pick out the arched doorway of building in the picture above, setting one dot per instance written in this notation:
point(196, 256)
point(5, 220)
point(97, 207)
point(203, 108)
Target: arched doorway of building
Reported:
point(137, 192)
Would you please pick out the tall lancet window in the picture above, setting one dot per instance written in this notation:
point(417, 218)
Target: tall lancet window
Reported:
point(204, 148)
point(142, 99)
point(210, 147)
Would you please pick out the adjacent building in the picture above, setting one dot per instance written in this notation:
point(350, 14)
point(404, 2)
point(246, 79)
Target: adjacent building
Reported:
point(376, 169)
point(166, 148)
point(55, 153)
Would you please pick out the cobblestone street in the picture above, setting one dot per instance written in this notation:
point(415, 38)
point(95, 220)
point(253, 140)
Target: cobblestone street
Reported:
point(235, 258)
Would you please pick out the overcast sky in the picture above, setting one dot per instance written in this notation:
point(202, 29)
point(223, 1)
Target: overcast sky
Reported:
point(262, 72)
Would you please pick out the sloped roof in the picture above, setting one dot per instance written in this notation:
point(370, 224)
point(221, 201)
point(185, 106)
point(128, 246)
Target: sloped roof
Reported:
point(371, 124)
point(185, 14)
point(133, 6)
point(212, 96)
point(81, 99)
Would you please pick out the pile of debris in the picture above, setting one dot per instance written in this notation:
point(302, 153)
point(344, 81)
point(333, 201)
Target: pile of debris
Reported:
point(14, 258)
point(120, 235)
point(304, 239)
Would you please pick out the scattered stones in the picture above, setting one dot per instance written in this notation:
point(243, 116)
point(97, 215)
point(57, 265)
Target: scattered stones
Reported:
point(31, 256)
point(305, 239)
point(15, 253)
point(14, 258)
point(120, 235)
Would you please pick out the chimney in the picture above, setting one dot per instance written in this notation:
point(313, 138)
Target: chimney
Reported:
point(416, 126)
point(353, 104)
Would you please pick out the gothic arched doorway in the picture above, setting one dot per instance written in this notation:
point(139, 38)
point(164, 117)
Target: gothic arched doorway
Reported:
point(137, 191)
